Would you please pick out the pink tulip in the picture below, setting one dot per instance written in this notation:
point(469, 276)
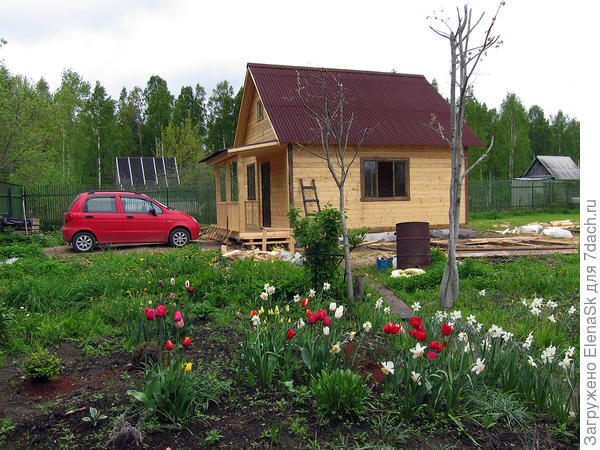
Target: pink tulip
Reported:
point(179, 324)
point(177, 316)
point(149, 314)
point(161, 311)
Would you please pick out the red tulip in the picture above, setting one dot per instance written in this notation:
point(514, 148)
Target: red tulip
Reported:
point(321, 314)
point(419, 335)
point(253, 313)
point(169, 346)
point(312, 319)
point(290, 334)
point(415, 322)
point(308, 313)
point(177, 316)
point(161, 311)
point(304, 302)
point(190, 289)
point(186, 342)
point(431, 355)
point(435, 346)
point(149, 314)
point(446, 330)
point(326, 321)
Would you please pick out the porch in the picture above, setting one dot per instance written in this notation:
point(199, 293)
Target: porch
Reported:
point(254, 236)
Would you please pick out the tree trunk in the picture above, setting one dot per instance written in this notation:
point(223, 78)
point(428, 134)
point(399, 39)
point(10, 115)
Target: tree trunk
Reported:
point(449, 288)
point(99, 165)
point(348, 268)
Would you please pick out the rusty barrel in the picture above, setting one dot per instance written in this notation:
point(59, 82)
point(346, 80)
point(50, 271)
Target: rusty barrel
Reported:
point(412, 245)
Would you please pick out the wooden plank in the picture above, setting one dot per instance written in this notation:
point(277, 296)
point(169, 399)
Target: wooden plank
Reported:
point(527, 252)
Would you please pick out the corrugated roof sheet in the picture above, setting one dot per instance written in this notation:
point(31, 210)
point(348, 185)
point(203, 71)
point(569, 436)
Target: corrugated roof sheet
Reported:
point(397, 107)
point(559, 167)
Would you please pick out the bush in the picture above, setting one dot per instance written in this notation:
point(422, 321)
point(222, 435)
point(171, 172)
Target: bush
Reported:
point(341, 392)
point(41, 366)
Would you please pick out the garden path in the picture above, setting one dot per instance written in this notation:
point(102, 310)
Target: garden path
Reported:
point(399, 308)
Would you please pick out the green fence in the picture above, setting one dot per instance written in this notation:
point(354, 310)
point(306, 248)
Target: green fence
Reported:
point(49, 203)
point(11, 200)
point(499, 195)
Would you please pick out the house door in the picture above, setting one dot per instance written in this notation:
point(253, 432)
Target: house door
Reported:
point(265, 188)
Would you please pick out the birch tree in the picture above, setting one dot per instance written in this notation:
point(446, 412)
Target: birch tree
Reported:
point(466, 51)
point(333, 125)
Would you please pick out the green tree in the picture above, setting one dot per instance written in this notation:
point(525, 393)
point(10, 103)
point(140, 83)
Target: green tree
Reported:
point(483, 123)
point(183, 142)
point(157, 115)
point(130, 119)
point(513, 147)
point(540, 135)
point(223, 110)
point(191, 103)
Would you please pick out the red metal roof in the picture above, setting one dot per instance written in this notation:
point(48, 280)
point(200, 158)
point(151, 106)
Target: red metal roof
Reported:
point(397, 107)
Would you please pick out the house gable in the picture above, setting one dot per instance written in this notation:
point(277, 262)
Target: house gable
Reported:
point(250, 128)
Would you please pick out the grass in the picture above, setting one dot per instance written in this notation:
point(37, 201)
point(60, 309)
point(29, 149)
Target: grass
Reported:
point(502, 220)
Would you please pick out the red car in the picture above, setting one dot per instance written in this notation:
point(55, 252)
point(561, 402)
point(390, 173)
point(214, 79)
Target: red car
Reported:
point(107, 217)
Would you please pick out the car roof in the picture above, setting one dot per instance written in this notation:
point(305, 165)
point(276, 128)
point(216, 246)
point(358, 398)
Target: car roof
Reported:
point(112, 192)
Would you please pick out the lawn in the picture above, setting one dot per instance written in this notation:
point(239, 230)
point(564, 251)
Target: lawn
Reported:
point(269, 363)
point(503, 220)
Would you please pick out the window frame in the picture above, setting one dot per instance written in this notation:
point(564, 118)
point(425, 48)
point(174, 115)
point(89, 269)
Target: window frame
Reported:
point(233, 181)
point(86, 210)
point(154, 206)
point(251, 195)
point(260, 111)
point(364, 198)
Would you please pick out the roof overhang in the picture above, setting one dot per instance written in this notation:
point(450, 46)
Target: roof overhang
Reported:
point(222, 154)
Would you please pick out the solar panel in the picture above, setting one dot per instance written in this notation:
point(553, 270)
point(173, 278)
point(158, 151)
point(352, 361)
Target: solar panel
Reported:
point(135, 170)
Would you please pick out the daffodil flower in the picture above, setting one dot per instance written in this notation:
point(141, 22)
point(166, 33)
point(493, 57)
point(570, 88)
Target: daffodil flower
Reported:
point(367, 326)
point(416, 377)
point(478, 366)
point(336, 348)
point(387, 367)
point(418, 350)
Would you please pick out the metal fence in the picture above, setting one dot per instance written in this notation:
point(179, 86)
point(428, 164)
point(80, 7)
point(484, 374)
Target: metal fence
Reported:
point(49, 203)
point(499, 195)
point(11, 200)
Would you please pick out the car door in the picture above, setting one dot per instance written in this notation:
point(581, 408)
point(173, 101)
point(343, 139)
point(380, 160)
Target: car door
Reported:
point(144, 221)
point(100, 216)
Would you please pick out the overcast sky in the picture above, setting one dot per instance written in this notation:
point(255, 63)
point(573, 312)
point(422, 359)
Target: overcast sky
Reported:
point(122, 43)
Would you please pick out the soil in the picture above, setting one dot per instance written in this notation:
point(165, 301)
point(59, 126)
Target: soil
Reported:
point(50, 415)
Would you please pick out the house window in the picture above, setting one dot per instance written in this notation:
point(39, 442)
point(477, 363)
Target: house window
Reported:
point(260, 115)
point(251, 177)
point(222, 183)
point(384, 179)
point(233, 179)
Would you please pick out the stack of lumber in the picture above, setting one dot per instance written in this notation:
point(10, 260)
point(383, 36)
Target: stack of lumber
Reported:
point(256, 254)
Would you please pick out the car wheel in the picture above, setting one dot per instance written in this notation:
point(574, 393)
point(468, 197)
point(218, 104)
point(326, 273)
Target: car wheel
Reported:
point(179, 237)
point(84, 242)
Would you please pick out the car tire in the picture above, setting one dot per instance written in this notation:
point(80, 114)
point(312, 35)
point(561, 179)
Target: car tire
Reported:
point(179, 237)
point(84, 241)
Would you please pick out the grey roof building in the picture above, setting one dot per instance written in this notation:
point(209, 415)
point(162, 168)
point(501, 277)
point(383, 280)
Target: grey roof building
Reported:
point(552, 168)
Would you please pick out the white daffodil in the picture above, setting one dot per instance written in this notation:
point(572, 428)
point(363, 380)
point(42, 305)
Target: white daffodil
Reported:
point(388, 367)
point(332, 306)
point(548, 354)
point(336, 348)
point(255, 320)
point(266, 286)
point(495, 331)
point(531, 361)
point(572, 310)
point(264, 295)
point(339, 312)
point(379, 303)
point(296, 298)
point(528, 341)
point(524, 302)
point(300, 323)
point(312, 293)
point(551, 318)
point(482, 293)
point(463, 337)
point(326, 286)
point(455, 315)
point(535, 311)
point(367, 326)
point(351, 335)
point(472, 319)
point(271, 290)
point(326, 332)
point(484, 344)
point(416, 306)
point(565, 363)
point(387, 310)
point(506, 335)
point(416, 377)
point(570, 352)
point(478, 327)
point(478, 366)
point(467, 347)
point(537, 302)
point(550, 304)
point(418, 350)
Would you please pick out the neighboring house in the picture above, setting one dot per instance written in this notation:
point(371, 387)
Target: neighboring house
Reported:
point(552, 168)
point(402, 172)
point(550, 180)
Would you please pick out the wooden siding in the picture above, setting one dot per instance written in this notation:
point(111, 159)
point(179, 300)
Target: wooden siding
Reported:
point(429, 171)
point(256, 131)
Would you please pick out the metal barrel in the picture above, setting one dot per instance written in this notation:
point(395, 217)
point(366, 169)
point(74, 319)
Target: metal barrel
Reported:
point(412, 245)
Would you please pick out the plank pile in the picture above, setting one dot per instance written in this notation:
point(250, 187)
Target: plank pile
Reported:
point(255, 255)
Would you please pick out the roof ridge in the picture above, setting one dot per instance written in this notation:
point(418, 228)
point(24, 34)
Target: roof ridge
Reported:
point(333, 69)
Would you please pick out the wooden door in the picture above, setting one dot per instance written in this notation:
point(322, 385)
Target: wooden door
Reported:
point(265, 189)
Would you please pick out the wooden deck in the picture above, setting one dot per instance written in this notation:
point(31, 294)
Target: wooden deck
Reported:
point(254, 237)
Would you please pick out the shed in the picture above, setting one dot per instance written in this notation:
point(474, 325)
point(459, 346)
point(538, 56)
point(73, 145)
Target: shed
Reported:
point(401, 174)
point(552, 168)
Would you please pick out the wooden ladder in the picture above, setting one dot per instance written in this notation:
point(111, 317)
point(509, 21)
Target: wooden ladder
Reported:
point(310, 187)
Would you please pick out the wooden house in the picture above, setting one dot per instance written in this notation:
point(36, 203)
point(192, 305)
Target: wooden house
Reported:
point(401, 174)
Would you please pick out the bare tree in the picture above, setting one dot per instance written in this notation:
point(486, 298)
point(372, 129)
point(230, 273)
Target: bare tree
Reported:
point(334, 128)
point(464, 59)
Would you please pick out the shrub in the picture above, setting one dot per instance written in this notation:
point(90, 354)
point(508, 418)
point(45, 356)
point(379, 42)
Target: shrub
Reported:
point(340, 392)
point(41, 366)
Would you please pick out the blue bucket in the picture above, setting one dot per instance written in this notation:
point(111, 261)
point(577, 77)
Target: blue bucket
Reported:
point(382, 263)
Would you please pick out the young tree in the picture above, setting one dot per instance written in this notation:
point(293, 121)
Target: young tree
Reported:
point(513, 136)
point(464, 58)
point(334, 127)
point(223, 110)
point(157, 114)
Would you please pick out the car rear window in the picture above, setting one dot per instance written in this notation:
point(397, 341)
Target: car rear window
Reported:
point(73, 202)
point(100, 205)
point(139, 205)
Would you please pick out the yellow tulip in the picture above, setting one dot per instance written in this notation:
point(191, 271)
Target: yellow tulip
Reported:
point(287, 308)
point(187, 367)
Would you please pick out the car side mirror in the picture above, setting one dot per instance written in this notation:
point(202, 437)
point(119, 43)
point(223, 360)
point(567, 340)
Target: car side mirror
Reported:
point(152, 211)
